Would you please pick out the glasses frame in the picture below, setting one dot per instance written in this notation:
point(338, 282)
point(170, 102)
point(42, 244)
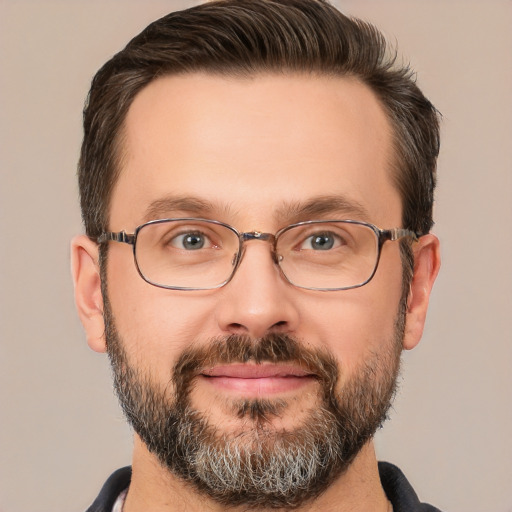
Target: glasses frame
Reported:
point(383, 235)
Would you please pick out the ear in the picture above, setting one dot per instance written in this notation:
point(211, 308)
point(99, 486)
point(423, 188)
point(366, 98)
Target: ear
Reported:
point(427, 260)
point(88, 298)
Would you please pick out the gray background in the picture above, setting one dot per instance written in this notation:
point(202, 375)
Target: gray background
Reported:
point(61, 432)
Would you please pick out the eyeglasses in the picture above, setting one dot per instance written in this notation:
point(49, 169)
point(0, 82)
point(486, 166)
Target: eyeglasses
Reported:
point(202, 254)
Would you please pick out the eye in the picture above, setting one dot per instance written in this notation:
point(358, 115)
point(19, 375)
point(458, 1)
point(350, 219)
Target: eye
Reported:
point(191, 241)
point(321, 242)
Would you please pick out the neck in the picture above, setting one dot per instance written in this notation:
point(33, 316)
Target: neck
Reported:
point(154, 488)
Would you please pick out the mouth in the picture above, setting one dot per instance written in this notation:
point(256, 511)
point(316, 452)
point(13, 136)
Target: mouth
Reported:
point(257, 380)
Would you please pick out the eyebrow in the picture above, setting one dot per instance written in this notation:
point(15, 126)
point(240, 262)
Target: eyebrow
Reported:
point(169, 206)
point(321, 207)
point(316, 208)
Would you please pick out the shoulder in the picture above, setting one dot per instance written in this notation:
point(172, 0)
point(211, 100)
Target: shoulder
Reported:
point(400, 492)
point(116, 483)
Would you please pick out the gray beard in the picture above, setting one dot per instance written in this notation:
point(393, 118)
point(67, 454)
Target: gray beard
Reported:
point(258, 465)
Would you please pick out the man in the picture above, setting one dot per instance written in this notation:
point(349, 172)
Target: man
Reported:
point(256, 184)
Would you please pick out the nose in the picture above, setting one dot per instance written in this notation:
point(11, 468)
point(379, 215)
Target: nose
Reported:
point(258, 300)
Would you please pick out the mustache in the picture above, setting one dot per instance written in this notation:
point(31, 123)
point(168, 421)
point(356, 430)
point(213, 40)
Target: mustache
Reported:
point(272, 348)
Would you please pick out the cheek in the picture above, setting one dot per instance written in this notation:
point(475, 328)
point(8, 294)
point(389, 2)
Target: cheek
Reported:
point(355, 324)
point(154, 324)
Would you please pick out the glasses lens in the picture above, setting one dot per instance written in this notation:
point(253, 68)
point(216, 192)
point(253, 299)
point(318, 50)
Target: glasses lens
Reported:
point(186, 253)
point(328, 255)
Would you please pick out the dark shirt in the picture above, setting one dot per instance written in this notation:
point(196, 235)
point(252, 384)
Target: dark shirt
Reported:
point(397, 488)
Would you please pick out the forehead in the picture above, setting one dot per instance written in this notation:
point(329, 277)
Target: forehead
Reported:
point(254, 149)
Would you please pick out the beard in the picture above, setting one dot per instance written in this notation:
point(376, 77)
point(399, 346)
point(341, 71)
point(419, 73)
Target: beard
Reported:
point(258, 464)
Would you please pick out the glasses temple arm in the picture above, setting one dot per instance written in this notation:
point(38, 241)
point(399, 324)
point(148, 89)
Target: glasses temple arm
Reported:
point(397, 233)
point(120, 236)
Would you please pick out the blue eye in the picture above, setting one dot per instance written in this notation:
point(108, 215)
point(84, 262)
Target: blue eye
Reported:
point(320, 242)
point(190, 241)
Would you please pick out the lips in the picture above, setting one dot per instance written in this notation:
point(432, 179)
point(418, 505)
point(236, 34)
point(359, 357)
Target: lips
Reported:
point(257, 379)
point(256, 371)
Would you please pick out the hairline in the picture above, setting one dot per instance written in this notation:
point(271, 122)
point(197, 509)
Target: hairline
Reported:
point(120, 140)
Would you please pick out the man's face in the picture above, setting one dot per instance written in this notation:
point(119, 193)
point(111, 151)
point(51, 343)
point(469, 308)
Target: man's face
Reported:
point(258, 154)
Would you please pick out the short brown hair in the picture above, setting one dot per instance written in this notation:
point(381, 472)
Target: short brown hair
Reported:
point(243, 37)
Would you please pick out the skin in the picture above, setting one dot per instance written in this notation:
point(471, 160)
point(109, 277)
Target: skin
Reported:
point(251, 147)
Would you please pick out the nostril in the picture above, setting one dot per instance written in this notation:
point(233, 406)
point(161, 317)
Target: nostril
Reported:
point(236, 328)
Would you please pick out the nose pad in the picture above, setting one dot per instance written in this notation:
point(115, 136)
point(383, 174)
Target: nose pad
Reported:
point(237, 258)
point(276, 258)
